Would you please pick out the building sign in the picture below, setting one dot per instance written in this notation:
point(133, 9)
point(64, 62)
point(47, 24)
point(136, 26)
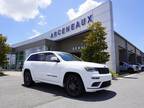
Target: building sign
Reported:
point(73, 26)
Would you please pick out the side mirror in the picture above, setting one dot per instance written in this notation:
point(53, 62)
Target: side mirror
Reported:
point(54, 59)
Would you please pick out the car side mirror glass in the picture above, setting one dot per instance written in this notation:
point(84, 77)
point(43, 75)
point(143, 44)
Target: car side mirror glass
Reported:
point(55, 59)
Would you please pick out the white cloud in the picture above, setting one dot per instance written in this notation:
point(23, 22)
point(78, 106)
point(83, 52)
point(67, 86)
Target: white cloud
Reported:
point(83, 8)
point(42, 20)
point(35, 33)
point(44, 3)
point(21, 10)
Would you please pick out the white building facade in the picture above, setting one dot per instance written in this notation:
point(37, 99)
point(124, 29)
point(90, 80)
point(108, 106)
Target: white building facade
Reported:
point(69, 37)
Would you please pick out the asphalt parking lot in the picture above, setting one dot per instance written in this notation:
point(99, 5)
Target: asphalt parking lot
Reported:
point(126, 92)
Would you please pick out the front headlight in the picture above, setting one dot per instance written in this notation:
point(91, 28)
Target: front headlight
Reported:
point(91, 69)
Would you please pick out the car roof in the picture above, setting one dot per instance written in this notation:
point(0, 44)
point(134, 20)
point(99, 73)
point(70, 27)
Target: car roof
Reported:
point(47, 52)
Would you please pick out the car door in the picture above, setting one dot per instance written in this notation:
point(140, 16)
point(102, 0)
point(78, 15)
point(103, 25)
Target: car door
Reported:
point(51, 69)
point(37, 65)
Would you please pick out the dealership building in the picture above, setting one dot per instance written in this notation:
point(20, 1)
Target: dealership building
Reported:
point(69, 38)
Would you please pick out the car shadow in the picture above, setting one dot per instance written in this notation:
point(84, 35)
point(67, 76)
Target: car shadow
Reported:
point(102, 95)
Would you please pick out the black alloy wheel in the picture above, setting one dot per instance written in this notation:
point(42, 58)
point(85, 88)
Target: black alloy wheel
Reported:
point(142, 69)
point(28, 81)
point(74, 86)
point(130, 70)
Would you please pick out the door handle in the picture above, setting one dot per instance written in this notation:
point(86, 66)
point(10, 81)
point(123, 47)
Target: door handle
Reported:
point(51, 75)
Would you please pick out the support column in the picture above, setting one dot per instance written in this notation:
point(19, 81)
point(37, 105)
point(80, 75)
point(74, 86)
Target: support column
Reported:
point(135, 56)
point(127, 56)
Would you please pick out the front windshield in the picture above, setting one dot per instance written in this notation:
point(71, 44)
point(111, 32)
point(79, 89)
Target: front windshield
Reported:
point(69, 57)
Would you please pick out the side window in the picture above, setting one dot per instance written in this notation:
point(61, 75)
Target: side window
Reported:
point(36, 57)
point(33, 58)
point(48, 56)
point(41, 57)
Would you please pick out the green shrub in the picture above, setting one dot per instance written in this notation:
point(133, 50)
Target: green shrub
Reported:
point(95, 49)
point(114, 74)
point(2, 74)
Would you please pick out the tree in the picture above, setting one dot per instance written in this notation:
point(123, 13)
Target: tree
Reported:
point(95, 44)
point(4, 49)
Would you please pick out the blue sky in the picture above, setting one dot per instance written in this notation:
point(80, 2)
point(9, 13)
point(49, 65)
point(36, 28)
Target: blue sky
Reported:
point(24, 19)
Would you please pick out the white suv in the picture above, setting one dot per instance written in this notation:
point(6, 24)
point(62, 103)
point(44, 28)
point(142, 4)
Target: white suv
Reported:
point(66, 70)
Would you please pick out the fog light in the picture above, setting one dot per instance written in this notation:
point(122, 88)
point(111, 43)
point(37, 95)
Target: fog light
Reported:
point(95, 84)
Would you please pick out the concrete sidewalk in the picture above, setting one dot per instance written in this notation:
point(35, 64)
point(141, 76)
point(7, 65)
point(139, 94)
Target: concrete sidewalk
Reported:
point(13, 73)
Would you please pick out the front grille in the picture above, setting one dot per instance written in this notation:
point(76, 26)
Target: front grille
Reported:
point(105, 84)
point(103, 70)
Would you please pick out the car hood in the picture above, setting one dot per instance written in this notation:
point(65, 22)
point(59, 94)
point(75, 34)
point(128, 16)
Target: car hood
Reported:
point(86, 64)
point(133, 65)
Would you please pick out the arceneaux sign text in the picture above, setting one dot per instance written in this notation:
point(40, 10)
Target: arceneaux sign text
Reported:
point(73, 26)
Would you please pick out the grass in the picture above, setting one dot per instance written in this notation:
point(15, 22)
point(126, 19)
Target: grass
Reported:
point(115, 75)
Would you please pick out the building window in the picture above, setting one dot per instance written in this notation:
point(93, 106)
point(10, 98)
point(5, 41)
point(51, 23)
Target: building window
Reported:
point(79, 47)
point(73, 48)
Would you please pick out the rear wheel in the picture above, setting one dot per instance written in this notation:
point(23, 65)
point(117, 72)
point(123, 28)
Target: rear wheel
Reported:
point(74, 85)
point(28, 81)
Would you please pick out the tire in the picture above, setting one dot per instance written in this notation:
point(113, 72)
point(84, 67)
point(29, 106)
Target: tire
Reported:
point(28, 81)
point(142, 69)
point(130, 70)
point(74, 85)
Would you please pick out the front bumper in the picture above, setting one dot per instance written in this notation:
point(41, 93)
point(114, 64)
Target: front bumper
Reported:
point(96, 82)
point(136, 69)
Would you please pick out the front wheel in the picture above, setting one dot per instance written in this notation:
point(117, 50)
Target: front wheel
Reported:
point(130, 70)
point(28, 81)
point(142, 69)
point(74, 85)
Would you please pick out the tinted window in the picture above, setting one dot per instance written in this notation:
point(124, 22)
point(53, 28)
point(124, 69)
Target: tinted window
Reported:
point(41, 57)
point(48, 56)
point(33, 58)
point(36, 57)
